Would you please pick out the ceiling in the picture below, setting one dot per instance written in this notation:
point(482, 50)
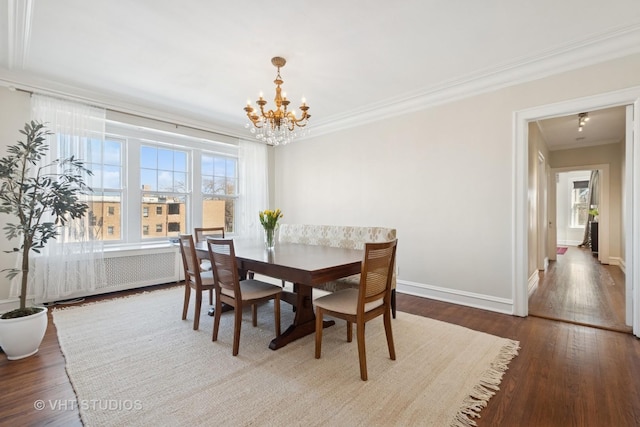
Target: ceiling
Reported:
point(198, 62)
point(605, 126)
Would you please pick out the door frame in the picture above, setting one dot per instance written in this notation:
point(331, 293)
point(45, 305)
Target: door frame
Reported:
point(631, 198)
point(542, 208)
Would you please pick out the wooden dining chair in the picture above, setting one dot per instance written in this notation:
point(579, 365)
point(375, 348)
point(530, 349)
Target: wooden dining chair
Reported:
point(194, 278)
point(370, 300)
point(201, 234)
point(238, 293)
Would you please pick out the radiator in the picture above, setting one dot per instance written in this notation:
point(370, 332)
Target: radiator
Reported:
point(134, 271)
point(124, 269)
point(136, 268)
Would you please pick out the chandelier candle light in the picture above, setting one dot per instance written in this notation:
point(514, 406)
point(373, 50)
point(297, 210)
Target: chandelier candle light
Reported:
point(277, 126)
point(269, 220)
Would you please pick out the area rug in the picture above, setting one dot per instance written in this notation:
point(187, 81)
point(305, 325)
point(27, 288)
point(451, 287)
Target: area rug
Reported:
point(133, 361)
point(561, 250)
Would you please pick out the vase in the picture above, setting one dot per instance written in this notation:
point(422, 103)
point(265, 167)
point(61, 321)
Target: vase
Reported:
point(270, 238)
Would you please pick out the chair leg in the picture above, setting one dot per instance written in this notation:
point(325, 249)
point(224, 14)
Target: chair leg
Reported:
point(393, 302)
point(387, 330)
point(196, 318)
point(276, 311)
point(236, 330)
point(318, 332)
point(187, 296)
point(216, 318)
point(362, 354)
point(254, 314)
point(349, 331)
point(210, 296)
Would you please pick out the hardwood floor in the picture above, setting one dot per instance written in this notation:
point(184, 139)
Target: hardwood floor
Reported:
point(577, 288)
point(565, 374)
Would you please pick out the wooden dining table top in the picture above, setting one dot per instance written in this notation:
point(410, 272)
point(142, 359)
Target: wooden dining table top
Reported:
point(310, 265)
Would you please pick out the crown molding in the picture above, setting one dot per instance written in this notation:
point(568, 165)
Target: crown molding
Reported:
point(598, 48)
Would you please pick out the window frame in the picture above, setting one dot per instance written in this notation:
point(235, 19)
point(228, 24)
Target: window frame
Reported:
point(229, 229)
point(83, 148)
point(574, 205)
point(131, 207)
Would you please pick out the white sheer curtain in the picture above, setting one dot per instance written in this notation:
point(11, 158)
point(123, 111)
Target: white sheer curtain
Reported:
point(254, 188)
point(72, 263)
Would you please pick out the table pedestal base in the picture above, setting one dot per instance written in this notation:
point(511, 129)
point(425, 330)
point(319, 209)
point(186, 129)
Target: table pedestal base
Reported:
point(304, 322)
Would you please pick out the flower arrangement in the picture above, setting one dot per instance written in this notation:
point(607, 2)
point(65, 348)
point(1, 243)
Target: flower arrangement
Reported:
point(269, 220)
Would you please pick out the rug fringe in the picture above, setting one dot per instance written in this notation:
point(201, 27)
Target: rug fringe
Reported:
point(487, 387)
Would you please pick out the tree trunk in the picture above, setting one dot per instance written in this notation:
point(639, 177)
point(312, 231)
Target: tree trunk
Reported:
point(25, 277)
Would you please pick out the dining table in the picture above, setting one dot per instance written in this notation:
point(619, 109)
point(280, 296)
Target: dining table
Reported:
point(306, 266)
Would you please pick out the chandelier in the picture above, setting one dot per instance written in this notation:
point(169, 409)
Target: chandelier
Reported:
point(278, 126)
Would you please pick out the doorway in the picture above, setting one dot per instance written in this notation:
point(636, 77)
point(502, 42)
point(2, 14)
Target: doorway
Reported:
point(630, 194)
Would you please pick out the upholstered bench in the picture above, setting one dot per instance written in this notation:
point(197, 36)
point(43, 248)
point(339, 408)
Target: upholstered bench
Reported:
point(341, 237)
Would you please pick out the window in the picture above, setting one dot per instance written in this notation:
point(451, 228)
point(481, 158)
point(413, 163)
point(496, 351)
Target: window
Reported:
point(579, 203)
point(143, 176)
point(137, 169)
point(173, 209)
point(92, 219)
point(164, 181)
point(163, 169)
point(219, 190)
point(104, 159)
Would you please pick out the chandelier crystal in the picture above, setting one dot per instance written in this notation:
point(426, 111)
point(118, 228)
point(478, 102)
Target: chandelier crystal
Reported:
point(279, 126)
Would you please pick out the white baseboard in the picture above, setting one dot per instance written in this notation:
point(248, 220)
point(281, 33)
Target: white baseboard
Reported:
point(569, 242)
point(532, 284)
point(454, 296)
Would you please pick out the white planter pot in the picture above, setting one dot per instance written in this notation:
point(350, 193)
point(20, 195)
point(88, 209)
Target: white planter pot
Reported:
point(21, 337)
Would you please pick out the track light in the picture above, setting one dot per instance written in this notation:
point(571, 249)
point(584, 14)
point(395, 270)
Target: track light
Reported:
point(583, 118)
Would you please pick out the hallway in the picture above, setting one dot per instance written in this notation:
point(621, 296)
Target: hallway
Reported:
point(578, 289)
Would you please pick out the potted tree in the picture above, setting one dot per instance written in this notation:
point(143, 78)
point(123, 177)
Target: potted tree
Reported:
point(42, 198)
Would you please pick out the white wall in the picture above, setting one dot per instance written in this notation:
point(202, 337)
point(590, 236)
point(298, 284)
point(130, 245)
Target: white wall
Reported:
point(15, 108)
point(442, 177)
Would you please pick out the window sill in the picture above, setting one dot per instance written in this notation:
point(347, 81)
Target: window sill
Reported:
point(125, 247)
